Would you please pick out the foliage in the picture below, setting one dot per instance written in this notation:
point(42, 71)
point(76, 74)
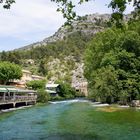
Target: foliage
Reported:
point(42, 96)
point(9, 71)
point(42, 68)
point(7, 3)
point(112, 64)
point(66, 7)
point(73, 45)
point(66, 91)
point(36, 84)
point(57, 98)
point(13, 57)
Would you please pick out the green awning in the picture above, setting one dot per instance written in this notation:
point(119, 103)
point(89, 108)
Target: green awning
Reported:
point(12, 90)
point(25, 91)
point(3, 89)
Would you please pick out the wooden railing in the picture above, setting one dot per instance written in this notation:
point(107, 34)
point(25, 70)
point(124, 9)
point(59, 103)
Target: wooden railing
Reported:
point(17, 99)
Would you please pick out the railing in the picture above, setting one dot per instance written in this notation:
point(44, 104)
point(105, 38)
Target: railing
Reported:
point(17, 99)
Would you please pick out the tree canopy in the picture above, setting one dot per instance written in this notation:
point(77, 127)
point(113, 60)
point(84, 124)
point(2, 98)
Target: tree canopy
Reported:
point(9, 71)
point(112, 64)
point(36, 84)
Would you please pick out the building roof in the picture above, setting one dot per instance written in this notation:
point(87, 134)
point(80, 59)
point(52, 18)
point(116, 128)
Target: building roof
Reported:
point(2, 89)
point(52, 85)
point(15, 90)
point(26, 71)
point(51, 91)
point(26, 91)
point(37, 77)
point(12, 90)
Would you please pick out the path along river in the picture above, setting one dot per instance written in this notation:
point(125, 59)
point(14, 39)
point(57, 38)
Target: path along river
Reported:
point(73, 120)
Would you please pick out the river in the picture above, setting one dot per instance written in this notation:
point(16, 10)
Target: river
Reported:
point(73, 120)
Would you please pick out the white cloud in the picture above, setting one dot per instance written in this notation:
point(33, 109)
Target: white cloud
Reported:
point(29, 16)
point(33, 20)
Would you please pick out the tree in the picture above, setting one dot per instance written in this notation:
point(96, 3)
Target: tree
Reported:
point(66, 90)
point(7, 3)
point(13, 57)
point(36, 84)
point(43, 96)
point(42, 68)
point(9, 71)
point(112, 64)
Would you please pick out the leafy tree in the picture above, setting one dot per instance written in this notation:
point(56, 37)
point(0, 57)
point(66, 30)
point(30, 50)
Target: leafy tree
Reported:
point(3, 56)
point(9, 71)
point(112, 65)
point(105, 84)
point(12, 56)
point(66, 90)
point(7, 3)
point(39, 85)
point(43, 96)
point(36, 84)
point(42, 68)
point(118, 7)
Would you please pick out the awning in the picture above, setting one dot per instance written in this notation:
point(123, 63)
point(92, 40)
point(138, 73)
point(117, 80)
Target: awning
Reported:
point(12, 90)
point(3, 89)
point(26, 91)
point(50, 91)
point(52, 85)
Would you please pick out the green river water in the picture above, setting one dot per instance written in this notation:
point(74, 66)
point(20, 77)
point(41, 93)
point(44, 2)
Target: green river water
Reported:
point(70, 121)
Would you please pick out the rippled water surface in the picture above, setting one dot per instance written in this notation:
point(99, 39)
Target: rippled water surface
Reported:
point(70, 121)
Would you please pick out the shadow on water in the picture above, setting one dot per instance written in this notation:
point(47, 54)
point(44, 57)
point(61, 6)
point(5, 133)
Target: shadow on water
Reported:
point(68, 136)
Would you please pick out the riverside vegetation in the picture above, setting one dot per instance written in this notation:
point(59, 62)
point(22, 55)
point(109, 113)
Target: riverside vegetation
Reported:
point(67, 92)
point(112, 64)
point(111, 61)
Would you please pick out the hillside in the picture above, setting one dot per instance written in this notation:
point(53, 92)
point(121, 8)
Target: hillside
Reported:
point(60, 57)
point(88, 25)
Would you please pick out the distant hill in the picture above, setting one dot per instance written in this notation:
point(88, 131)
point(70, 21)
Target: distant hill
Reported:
point(60, 57)
point(88, 25)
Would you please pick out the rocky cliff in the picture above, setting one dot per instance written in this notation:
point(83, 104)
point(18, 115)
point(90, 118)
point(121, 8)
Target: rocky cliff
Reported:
point(88, 25)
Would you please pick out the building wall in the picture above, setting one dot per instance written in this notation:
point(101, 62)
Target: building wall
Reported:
point(26, 77)
point(81, 87)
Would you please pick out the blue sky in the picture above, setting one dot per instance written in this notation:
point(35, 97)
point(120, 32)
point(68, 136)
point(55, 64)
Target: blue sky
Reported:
point(29, 21)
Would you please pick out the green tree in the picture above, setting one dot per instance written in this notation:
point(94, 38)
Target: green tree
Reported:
point(3, 56)
point(42, 68)
point(9, 71)
point(66, 90)
point(36, 84)
point(43, 96)
point(112, 64)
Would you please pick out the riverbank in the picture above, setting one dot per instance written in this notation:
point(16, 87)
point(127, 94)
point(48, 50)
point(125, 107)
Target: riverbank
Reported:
point(101, 107)
point(13, 109)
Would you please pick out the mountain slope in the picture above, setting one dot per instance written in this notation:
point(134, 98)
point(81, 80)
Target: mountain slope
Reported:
point(88, 25)
point(60, 57)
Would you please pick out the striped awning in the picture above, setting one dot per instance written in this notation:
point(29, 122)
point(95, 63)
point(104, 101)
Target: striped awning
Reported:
point(12, 90)
point(25, 91)
point(3, 89)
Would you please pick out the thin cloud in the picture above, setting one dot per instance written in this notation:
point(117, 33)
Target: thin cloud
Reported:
point(32, 20)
